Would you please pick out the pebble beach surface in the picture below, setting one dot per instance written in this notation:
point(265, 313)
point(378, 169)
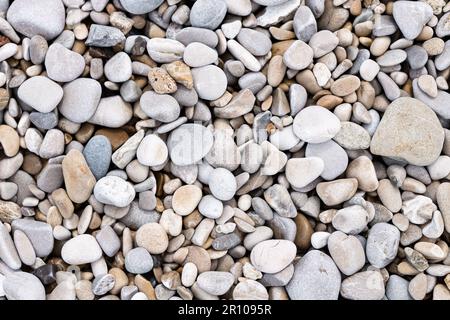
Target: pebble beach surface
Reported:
point(224, 149)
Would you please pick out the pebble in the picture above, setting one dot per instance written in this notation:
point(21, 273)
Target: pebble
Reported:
point(302, 171)
point(104, 117)
point(97, 154)
point(140, 6)
point(347, 252)
point(104, 36)
point(197, 54)
point(39, 233)
point(222, 184)
point(272, 256)
point(207, 14)
point(305, 25)
point(397, 288)
point(365, 285)
point(257, 43)
point(108, 241)
point(351, 220)
point(45, 18)
point(81, 249)
point(138, 261)
point(118, 68)
point(24, 248)
point(165, 50)
point(209, 82)
point(152, 151)
point(216, 283)
point(62, 64)
point(298, 56)
point(152, 237)
point(161, 107)
point(114, 191)
point(78, 178)
point(411, 24)
point(40, 93)
point(316, 124)
point(382, 244)
point(250, 290)
point(80, 100)
point(407, 144)
point(316, 277)
point(23, 286)
point(337, 191)
point(185, 199)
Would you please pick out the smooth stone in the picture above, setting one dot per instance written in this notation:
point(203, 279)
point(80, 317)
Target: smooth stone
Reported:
point(436, 104)
point(208, 14)
point(302, 171)
point(334, 157)
point(62, 64)
point(442, 61)
point(152, 237)
point(347, 252)
point(316, 124)
point(397, 288)
point(44, 121)
point(406, 117)
point(257, 43)
point(197, 54)
point(278, 197)
point(210, 82)
point(140, 6)
point(411, 16)
point(272, 256)
point(337, 191)
point(52, 145)
point(81, 249)
point(316, 277)
point(240, 104)
point(152, 151)
point(8, 252)
point(363, 170)
point(40, 93)
point(382, 244)
point(345, 86)
point(118, 68)
point(39, 233)
point(102, 284)
point(108, 241)
point(78, 178)
point(80, 100)
point(138, 261)
point(192, 34)
point(352, 136)
point(104, 36)
point(369, 70)
point(210, 207)
point(112, 112)
point(30, 18)
point(323, 42)
point(419, 209)
point(185, 199)
point(305, 25)
point(216, 283)
point(274, 14)
point(351, 220)
point(298, 56)
point(114, 191)
point(391, 58)
point(97, 153)
point(365, 285)
point(189, 143)
point(161, 107)
point(23, 286)
point(250, 290)
point(137, 217)
point(417, 57)
point(222, 184)
point(285, 138)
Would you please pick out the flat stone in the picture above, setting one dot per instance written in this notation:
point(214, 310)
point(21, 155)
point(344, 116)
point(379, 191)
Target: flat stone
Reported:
point(302, 171)
point(272, 256)
point(298, 56)
point(189, 143)
point(351, 220)
point(222, 184)
point(161, 107)
point(8, 252)
point(365, 285)
point(305, 25)
point(152, 237)
point(104, 36)
point(337, 191)
point(62, 64)
point(114, 191)
point(411, 24)
point(278, 197)
point(118, 68)
point(382, 244)
point(257, 43)
point(40, 93)
point(215, 282)
point(250, 290)
point(323, 42)
point(316, 277)
point(45, 18)
point(108, 241)
point(334, 157)
point(164, 50)
point(39, 233)
point(78, 178)
point(97, 153)
point(347, 252)
point(152, 151)
point(411, 133)
point(316, 125)
point(81, 249)
point(112, 112)
point(80, 100)
point(397, 288)
point(44, 121)
point(210, 82)
point(138, 261)
point(208, 14)
point(140, 6)
point(197, 54)
point(23, 286)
